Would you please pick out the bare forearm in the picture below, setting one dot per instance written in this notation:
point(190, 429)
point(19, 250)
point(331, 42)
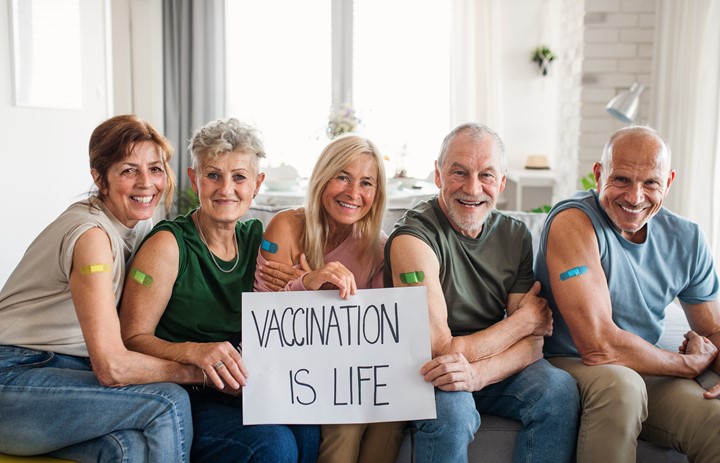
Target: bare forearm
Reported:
point(627, 349)
point(509, 362)
point(487, 343)
point(156, 347)
point(128, 367)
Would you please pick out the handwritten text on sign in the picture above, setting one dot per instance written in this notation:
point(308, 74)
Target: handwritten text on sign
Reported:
point(315, 358)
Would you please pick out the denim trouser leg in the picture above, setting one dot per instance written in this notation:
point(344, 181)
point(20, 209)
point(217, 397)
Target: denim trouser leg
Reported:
point(119, 446)
point(547, 402)
point(445, 439)
point(220, 435)
point(51, 401)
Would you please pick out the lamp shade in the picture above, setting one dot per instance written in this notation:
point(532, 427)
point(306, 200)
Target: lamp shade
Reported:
point(625, 105)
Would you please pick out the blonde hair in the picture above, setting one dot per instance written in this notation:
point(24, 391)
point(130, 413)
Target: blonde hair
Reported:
point(336, 156)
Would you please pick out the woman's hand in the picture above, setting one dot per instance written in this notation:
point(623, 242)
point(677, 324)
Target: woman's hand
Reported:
point(277, 275)
point(333, 274)
point(221, 362)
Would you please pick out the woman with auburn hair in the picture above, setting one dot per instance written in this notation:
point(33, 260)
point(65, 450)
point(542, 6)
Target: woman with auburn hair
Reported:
point(68, 385)
point(339, 235)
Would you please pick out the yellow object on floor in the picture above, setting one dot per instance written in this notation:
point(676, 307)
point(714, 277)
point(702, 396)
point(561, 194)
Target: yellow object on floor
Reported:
point(39, 459)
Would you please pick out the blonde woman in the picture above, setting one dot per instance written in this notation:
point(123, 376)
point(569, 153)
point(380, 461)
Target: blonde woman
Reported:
point(338, 234)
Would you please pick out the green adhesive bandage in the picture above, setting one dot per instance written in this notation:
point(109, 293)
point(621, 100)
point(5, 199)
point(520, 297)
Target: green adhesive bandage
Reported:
point(140, 277)
point(94, 268)
point(412, 277)
point(573, 272)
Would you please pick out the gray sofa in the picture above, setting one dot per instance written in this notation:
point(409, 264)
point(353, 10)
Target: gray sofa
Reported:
point(495, 440)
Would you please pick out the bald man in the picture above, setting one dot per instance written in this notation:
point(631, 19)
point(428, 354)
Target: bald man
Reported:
point(610, 262)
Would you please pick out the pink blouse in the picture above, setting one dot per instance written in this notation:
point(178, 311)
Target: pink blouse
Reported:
point(347, 254)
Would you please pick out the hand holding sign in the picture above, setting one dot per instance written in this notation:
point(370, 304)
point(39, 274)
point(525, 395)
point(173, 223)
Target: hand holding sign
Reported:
point(316, 358)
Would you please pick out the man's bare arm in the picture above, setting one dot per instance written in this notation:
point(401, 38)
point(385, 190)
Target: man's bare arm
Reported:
point(409, 254)
point(584, 302)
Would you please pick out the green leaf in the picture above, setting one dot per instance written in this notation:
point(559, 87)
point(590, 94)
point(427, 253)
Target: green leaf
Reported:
point(588, 181)
point(187, 200)
point(544, 209)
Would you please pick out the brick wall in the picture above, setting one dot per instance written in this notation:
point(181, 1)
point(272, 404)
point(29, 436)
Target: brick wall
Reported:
point(607, 45)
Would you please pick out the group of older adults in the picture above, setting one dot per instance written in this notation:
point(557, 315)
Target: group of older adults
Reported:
point(120, 341)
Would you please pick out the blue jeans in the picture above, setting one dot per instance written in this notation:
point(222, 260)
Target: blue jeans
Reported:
point(220, 435)
point(543, 398)
point(52, 403)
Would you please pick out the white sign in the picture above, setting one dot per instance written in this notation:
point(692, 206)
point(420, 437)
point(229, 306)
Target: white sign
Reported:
point(314, 358)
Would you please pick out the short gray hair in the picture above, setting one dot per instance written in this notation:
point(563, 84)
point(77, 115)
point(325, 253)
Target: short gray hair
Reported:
point(224, 136)
point(633, 130)
point(477, 132)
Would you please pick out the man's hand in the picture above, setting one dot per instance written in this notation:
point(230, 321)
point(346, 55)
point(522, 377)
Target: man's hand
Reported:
point(700, 353)
point(536, 312)
point(451, 372)
point(713, 392)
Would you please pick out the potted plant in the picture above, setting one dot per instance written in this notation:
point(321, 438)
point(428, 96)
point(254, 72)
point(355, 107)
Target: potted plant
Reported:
point(543, 56)
point(342, 119)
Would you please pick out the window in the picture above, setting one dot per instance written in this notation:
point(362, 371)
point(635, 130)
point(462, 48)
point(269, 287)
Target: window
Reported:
point(401, 79)
point(281, 75)
point(46, 53)
point(278, 75)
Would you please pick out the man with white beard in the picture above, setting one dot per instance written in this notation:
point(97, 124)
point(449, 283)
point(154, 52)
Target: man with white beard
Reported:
point(487, 321)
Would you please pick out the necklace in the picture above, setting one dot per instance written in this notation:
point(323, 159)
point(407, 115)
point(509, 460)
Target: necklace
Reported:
point(212, 256)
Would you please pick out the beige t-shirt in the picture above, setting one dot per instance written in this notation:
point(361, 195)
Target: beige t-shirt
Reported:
point(36, 308)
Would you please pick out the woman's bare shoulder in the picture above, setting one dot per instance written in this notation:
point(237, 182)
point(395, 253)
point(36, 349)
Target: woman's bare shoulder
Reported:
point(287, 223)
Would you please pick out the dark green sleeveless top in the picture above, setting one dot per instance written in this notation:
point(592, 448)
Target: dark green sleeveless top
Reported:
point(205, 304)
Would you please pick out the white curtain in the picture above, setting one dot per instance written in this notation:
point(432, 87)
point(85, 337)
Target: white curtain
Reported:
point(194, 74)
point(686, 109)
point(475, 84)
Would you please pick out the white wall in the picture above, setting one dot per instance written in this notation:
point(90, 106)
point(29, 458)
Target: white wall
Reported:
point(137, 59)
point(529, 100)
point(44, 151)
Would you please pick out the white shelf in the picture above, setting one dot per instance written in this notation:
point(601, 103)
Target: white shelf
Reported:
point(524, 178)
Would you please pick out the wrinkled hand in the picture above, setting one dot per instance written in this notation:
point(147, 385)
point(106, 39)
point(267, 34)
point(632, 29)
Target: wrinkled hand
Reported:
point(335, 274)
point(701, 352)
point(451, 372)
point(233, 373)
point(277, 275)
point(713, 392)
point(536, 312)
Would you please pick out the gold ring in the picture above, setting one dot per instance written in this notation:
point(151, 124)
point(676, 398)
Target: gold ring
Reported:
point(219, 365)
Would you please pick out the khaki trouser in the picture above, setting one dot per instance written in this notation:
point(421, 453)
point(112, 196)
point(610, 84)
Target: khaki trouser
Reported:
point(619, 405)
point(362, 443)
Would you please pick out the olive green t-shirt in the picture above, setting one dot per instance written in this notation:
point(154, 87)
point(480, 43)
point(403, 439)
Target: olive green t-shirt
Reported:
point(206, 303)
point(476, 274)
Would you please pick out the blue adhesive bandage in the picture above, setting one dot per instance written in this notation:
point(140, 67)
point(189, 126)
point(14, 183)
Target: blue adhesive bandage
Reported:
point(573, 272)
point(269, 246)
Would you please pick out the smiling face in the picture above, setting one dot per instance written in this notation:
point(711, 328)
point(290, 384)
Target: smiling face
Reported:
point(349, 195)
point(470, 180)
point(226, 185)
point(134, 186)
point(633, 180)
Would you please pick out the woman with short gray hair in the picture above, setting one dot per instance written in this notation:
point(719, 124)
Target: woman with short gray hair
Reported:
point(198, 266)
